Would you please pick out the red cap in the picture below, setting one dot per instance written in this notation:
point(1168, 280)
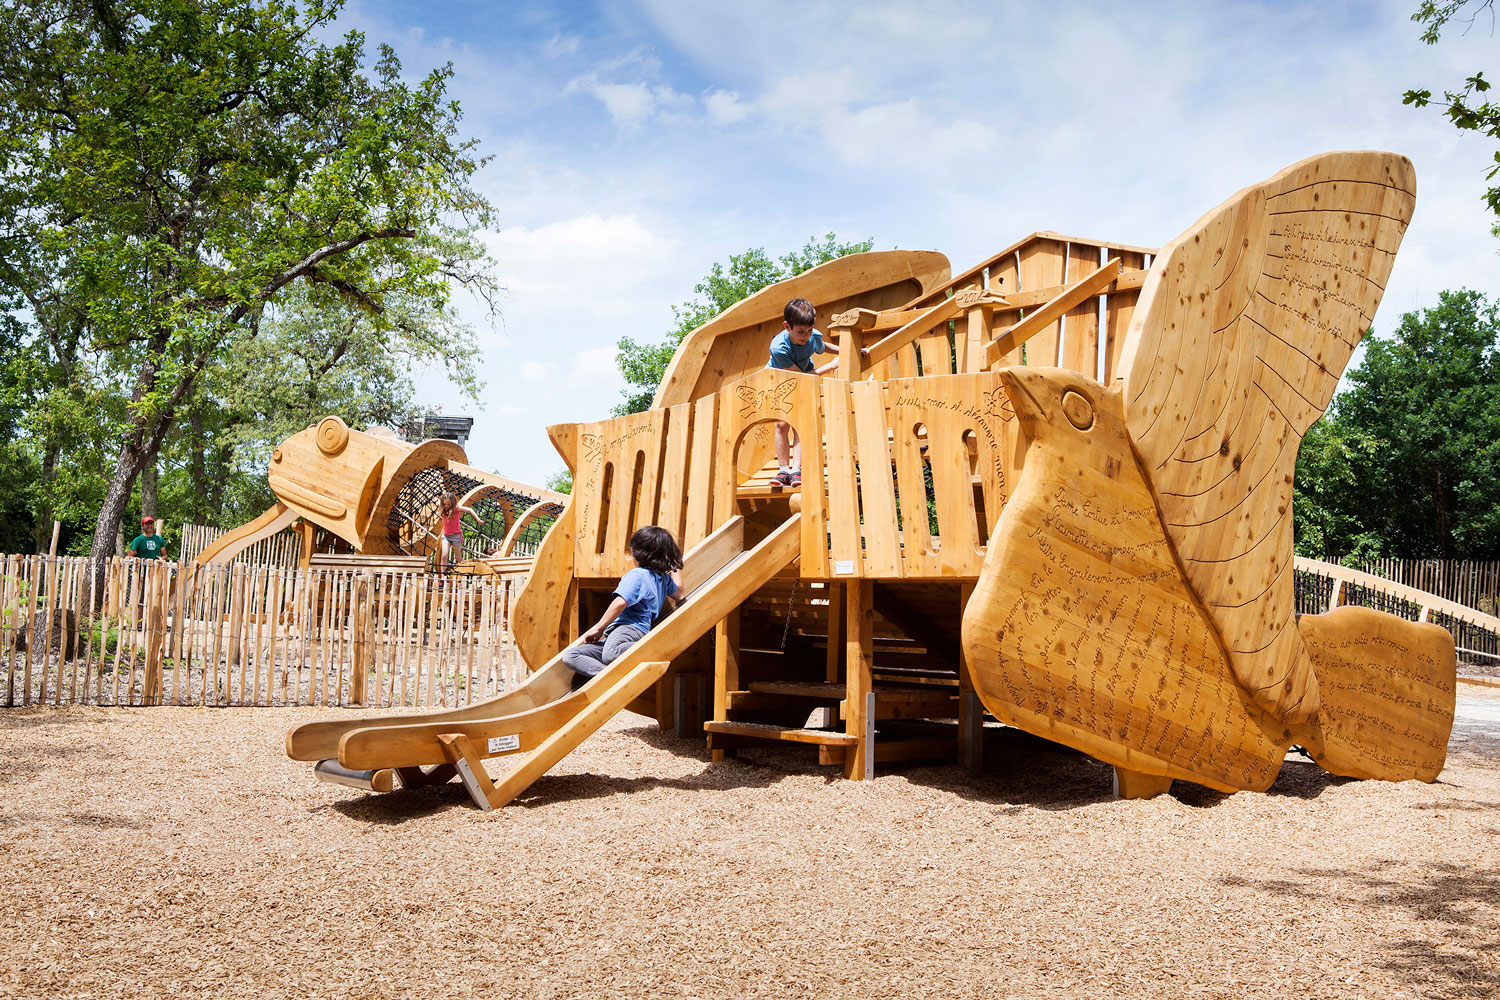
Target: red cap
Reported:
point(147, 519)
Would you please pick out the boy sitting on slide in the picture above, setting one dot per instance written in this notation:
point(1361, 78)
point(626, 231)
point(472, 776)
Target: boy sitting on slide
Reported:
point(637, 602)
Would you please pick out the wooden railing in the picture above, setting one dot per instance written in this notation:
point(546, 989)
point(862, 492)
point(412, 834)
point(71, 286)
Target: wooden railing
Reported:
point(910, 474)
point(168, 633)
point(1323, 586)
point(1472, 583)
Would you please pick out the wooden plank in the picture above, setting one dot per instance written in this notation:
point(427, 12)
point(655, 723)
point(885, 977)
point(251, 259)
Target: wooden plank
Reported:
point(859, 660)
point(1040, 326)
point(1119, 309)
point(260, 585)
point(49, 615)
point(937, 315)
point(762, 731)
point(577, 729)
point(10, 625)
point(1080, 349)
point(672, 510)
point(846, 554)
point(882, 545)
point(32, 577)
point(699, 516)
point(833, 665)
point(726, 668)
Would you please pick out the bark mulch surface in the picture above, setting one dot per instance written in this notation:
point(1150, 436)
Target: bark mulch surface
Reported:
point(177, 853)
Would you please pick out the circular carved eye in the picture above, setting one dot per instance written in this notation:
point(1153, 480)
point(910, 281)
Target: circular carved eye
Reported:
point(332, 435)
point(1078, 410)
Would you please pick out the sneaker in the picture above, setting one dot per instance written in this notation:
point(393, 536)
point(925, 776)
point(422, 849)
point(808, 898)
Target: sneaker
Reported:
point(785, 479)
point(795, 479)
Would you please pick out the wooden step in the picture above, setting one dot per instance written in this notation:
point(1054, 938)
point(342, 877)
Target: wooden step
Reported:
point(799, 689)
point(758, 730)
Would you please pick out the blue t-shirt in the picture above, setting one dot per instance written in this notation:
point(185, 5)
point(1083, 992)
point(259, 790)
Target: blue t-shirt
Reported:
point(785, 354)
point(643, 591)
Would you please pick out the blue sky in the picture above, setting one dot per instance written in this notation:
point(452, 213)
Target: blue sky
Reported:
point(636, 143)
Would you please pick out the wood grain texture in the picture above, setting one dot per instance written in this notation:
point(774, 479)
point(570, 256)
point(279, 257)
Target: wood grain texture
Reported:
point(1082, 628)
point(539, 619)
point(738, 340)
point(1242, 330)
point(1388, 690)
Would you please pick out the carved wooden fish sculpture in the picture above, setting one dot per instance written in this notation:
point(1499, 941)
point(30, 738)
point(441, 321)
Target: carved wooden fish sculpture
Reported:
point(1137, 596)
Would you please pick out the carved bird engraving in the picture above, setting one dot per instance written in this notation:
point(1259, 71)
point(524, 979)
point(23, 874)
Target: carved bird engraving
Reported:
point(1137, 597)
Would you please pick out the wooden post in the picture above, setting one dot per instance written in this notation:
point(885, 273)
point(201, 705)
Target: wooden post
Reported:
point(236, 619)
point(726, 668)
point(56, 530)
point(970, 710)
point(9, 627)
point(26, 624)
point(362, 620)
point(155, 594)
point(859, 663)
point(848, 328)
point(834, 663)
point(309, 533)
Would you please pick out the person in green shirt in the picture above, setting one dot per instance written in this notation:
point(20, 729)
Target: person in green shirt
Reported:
point(147, 544)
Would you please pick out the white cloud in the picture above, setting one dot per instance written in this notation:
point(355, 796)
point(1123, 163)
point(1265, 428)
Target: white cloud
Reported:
point(627, 103)
point(929, 125)
point(725, 106)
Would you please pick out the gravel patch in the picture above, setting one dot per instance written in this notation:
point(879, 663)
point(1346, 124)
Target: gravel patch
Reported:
point(177, 852)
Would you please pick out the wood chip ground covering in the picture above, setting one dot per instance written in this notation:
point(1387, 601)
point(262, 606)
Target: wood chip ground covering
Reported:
point(177, 853)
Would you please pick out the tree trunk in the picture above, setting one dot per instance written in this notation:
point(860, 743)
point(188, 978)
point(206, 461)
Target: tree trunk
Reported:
point(148, 489)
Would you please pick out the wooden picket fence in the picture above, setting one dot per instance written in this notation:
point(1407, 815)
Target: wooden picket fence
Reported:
point(171, 634)
point(1472, 583)
point(282, 549)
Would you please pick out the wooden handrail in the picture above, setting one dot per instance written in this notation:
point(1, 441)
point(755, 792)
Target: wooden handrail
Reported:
point(1036, 322)
point(1427, 602)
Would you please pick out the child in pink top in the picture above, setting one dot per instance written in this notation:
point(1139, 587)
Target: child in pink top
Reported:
point(453, 529)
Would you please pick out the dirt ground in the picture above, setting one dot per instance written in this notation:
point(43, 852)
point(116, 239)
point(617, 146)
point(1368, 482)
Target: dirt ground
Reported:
point(177, 852)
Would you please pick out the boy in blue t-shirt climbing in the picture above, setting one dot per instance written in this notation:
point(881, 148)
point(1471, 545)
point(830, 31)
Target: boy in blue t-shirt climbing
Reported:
point(637, 601)
point(793, 349)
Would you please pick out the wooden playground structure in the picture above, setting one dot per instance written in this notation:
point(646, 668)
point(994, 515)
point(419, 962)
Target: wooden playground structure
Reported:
point(375, 496)
point(1053, 491)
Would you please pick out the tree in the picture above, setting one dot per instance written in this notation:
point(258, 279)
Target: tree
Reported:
point(643, 365)
point(1466, 108)
point(1407, 462)
point(172, 167)
point(561, 481)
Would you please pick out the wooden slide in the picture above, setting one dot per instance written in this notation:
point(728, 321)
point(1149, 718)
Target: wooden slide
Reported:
point(544, 716)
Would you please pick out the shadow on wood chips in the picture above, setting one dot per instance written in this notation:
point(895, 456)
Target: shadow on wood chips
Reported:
point(1020, 770)
point(1452, 899)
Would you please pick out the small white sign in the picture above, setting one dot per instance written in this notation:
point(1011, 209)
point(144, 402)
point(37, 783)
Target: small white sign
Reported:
point(500, 744)
point(843, 567)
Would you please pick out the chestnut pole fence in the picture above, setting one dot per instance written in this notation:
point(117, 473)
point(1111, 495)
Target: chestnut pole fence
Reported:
point(164, 633)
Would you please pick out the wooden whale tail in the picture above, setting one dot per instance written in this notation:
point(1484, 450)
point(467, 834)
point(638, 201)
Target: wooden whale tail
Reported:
point(1388, 692)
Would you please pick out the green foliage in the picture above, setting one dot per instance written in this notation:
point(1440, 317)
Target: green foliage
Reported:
point(1467, 109)
point(170, 171)
point(643, 365)
point(561, 481)
point(1407, 461)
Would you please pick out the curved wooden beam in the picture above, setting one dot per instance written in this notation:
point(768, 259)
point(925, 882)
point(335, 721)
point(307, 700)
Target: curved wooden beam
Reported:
point(277, 518)
point(826, 286)
point(507, 547)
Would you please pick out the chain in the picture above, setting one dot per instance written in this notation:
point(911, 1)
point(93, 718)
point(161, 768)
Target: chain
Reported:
point(789, 612)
